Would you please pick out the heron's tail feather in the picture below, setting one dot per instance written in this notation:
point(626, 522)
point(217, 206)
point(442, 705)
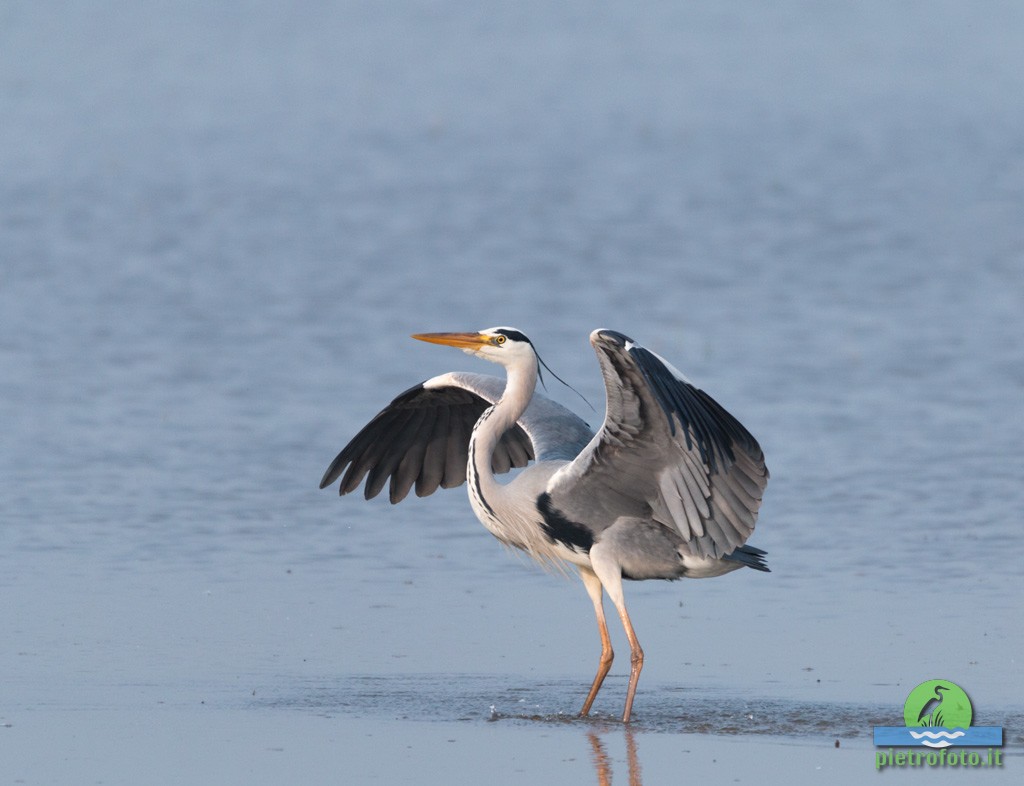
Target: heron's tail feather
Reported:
point(751, 556)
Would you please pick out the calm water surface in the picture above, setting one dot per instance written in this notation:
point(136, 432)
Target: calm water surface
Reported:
point(217, 229)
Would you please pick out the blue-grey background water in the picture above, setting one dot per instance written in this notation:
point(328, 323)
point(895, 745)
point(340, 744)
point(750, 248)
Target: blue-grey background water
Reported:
point(218, 226)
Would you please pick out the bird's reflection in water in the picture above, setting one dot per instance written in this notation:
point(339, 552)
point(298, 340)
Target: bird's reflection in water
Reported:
point(603, 764)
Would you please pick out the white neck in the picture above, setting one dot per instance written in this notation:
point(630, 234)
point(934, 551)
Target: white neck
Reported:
point(485, 493)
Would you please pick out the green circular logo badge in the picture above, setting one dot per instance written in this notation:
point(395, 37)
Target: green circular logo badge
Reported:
point(938, 703)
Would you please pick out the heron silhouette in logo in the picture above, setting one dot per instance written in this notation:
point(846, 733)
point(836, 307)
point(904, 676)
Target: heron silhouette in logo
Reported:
point(931, 712)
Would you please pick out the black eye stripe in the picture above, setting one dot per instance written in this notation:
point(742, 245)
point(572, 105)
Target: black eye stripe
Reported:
point(515, 335)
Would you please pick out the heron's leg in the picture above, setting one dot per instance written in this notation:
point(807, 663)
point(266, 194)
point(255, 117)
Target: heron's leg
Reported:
point(636, 657)
point(609, 572)
point(593, 586)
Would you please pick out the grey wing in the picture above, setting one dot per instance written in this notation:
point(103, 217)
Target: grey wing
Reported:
point(666, 451)
point(421, 438)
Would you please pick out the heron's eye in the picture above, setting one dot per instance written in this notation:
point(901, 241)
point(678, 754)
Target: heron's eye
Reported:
point(499, 340)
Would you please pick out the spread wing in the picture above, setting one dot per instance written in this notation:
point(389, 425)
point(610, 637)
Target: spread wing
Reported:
point(421, 438)
point(666, 451)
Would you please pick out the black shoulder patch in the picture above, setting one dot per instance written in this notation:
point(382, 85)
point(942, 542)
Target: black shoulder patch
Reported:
point(560, 529)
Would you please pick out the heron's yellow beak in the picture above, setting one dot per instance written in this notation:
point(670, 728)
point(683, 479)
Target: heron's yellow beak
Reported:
point(460, 340)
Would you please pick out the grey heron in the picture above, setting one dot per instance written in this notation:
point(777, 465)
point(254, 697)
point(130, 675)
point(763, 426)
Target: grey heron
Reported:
point(669, 486)
point(931, 712)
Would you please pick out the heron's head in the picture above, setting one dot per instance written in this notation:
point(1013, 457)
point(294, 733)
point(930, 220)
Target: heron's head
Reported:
point(504, 345)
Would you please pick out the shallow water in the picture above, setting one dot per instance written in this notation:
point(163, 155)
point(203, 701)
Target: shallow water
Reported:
point(218, 228)
point(671, 709)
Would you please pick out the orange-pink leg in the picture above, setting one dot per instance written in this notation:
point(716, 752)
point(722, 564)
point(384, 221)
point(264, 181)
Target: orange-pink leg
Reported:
point(608, 572)
point(593, 586)
point(636, 660)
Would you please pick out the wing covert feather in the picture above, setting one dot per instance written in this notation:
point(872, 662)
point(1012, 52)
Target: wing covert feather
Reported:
point(702, 472)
